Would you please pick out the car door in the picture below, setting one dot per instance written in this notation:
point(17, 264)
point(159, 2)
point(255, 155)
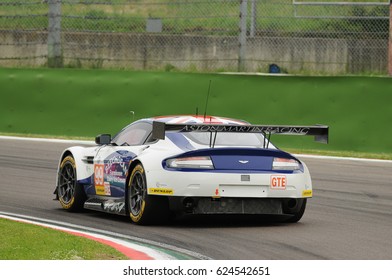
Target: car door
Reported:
point(111, 162)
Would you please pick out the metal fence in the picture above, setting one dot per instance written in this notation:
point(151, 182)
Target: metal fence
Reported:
point(317, 37)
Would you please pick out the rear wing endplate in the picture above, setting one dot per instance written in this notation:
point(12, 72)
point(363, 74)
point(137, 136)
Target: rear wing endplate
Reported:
point(320, 132)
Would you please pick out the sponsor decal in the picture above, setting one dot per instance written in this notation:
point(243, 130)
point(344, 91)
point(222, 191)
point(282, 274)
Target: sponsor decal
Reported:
point(112, 206)
point(278, 182)
point(98, 179)
point(98, 174)
point(116, 168)
point(307, 193)
point(111, 175)
point(103, 190)
point(248, 129)
point(100, 190)
point(217, 193)
point(161, 191)
point(107, 188)
point(101, 187)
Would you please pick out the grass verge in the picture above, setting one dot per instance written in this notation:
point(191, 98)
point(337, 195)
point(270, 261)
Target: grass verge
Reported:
point(20, 241)
point(78, 103)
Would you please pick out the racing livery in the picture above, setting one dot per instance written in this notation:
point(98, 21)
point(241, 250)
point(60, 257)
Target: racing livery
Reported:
point(157, 167)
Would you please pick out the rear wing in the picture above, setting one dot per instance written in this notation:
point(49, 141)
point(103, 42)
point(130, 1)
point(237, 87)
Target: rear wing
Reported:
point(320, 132)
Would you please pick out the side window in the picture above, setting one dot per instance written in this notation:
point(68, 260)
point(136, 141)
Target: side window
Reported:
point(135, 134)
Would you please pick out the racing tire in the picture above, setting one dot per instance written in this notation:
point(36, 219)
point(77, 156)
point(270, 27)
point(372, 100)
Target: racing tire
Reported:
point(145, 209)
point(297, 215)
point(71, 194)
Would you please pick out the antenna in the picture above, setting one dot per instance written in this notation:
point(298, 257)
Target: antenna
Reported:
point(133, 115)
point(208, 97)
point(197, 111)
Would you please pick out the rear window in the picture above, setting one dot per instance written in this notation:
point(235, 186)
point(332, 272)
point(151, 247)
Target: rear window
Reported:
point(227, 139)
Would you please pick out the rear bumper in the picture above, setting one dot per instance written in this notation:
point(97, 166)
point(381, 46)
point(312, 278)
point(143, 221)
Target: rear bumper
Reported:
point(228, 185)
point(208, 205)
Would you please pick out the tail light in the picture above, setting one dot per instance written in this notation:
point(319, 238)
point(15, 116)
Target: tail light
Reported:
point(285, 164)
point(203, 162)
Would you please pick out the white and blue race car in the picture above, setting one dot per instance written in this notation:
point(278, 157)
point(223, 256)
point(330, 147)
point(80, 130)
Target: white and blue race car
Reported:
point(157, 167)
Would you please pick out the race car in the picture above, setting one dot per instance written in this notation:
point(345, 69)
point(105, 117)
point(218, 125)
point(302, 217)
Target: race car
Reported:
point(158, 167)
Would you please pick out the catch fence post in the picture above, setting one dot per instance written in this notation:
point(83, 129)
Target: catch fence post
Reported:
point(242, 35)
point(253, 18)
point(55, 58)
point(390, 40)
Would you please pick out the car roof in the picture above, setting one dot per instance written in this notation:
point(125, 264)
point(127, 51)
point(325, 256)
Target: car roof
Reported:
point(197, 119)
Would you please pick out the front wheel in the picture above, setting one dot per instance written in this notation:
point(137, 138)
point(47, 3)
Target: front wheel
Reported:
point(143, 208)
point(71, 194)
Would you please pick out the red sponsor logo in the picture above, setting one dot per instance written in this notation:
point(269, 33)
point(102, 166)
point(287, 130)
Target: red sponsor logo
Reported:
point(98, 174)
point(278, 182)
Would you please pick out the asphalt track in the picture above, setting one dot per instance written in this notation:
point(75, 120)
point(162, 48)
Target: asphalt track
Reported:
point(349, 217)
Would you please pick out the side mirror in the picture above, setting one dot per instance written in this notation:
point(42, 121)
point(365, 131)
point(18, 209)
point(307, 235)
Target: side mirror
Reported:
point(103, 139)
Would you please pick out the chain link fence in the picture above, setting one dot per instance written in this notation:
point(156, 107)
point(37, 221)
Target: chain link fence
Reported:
point(308, 37)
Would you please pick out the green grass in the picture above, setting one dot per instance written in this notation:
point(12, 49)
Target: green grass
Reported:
point(85, 103)
point(52, 103)
point(20, 241)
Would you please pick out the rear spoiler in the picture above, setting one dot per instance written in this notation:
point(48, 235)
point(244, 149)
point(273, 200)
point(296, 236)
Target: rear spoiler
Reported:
point(320, 132)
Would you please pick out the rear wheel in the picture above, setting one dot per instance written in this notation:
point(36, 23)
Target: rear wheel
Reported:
point(296, 212)
point(71, 194)
point(143, 208)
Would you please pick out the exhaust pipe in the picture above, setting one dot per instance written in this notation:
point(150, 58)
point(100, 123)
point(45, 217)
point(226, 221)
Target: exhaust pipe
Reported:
point(189, 204)
point(291, 205)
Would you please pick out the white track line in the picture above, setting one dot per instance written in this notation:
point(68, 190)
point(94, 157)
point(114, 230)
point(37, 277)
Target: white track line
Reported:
point(48, 140)
point(344, 158)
